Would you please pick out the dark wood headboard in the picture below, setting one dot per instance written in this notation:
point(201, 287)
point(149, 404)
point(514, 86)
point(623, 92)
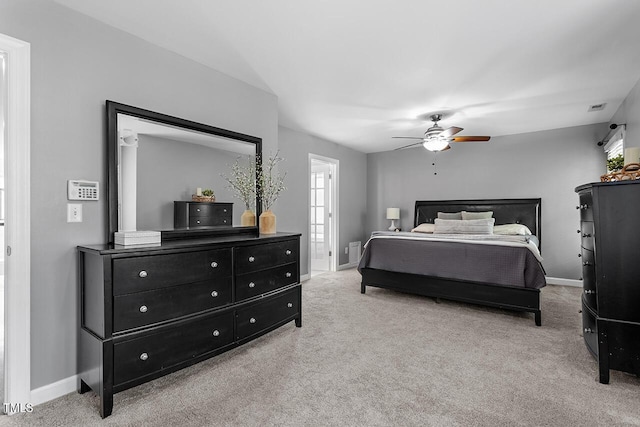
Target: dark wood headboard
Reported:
point(505, 211)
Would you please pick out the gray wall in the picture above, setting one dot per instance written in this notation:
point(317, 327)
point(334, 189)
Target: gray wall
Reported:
point(170, 170)
point(546, 164)
point(295, 148)
point(76, 64)
point(629, 113)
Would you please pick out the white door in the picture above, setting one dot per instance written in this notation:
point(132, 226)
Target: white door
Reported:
point(320, 222)
point(16, 96)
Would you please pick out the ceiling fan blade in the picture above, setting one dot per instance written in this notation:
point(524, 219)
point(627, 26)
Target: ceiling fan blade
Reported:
point(447, 133)
point(407, 137)
point(470, 138)
point(448, 147)
point(410, 145)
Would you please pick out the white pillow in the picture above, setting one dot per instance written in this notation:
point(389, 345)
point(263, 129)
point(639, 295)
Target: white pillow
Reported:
point(424, 228)
point(477, 215)
point(464, 226)
point(515, 229)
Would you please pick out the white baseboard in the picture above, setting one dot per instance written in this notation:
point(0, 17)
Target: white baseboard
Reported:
point(54, 390)
point(347, 266)
point(564, 282)
point(304, 277)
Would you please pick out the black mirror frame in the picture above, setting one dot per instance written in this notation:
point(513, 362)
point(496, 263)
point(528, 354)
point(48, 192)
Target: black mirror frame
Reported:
point(115, 108)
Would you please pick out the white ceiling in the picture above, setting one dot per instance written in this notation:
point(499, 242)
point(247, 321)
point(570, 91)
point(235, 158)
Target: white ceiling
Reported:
point(358, 72)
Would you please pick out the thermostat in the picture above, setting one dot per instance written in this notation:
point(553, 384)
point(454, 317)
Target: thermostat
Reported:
point(82, 190)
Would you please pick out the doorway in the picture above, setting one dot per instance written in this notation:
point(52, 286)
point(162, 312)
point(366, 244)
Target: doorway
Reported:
point(323, 179)
point(16, 251)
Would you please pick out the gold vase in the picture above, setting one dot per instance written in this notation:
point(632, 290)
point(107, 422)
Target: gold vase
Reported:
point(248, 218)
point(267, 222)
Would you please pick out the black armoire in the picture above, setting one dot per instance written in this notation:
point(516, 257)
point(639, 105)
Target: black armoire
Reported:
point(610, 254)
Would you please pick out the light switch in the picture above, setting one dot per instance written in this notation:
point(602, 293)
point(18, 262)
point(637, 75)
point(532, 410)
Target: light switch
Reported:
point(74, 212)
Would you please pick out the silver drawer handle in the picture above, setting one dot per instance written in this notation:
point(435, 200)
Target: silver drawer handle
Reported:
point(589, 291)
point(289, 305)
point(252, 320)
point(214, 264)
point(216, 333)
point(225, 221)
point(143, 309)
point(586, 235)
point(287, 252)
point(198, 222)
point(252, 285)
point(142, 274)
point(585, 206)
point(586, 264)
point(251, 259)
point(224, 210)
point(198, 210)
point(144, 356)
point(288, 274)
point(588, 330)
point(214, 294)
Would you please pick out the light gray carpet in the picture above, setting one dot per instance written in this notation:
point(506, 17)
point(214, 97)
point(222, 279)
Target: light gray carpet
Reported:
point(383, 359)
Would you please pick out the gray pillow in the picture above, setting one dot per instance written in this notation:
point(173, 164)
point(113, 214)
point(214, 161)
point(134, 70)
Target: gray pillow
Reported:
point(476, 215)
point(464, 226)
point(450, 215)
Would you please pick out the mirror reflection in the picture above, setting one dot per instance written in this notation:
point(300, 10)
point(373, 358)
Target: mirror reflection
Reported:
point(162, 162)
point(173, 163)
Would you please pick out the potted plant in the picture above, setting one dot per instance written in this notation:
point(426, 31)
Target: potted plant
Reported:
point(270, 185)
point(242, 183)
point(616, 163)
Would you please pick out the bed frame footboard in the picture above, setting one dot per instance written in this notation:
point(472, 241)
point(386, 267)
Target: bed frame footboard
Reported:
point(509, 298)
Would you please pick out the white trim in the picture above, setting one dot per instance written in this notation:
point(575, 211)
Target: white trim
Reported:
point(54, 390)
point(563, 282)
point(335, 223)
point(347, 266)
point(305, 277)
point(17, 342)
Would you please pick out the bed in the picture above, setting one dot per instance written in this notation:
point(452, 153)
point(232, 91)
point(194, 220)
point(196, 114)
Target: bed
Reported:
point(504, 272)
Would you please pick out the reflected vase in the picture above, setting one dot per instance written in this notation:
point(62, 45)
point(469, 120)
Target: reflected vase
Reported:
point(267, 222)
point(248, 218)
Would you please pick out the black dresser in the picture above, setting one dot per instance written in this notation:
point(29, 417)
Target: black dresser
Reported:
point(202, 214)
point(149, 311)
point(610, 230)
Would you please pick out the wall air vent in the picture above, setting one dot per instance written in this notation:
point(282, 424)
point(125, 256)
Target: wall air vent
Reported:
point(597, 107)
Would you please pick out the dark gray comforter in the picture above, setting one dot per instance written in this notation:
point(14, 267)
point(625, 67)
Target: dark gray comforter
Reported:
point(512, 265)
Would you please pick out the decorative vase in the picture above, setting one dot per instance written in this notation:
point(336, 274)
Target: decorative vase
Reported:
point(267, 222)
point(248, 218)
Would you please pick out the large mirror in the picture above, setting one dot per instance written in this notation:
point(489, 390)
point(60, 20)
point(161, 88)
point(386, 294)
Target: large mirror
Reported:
point(156, 160)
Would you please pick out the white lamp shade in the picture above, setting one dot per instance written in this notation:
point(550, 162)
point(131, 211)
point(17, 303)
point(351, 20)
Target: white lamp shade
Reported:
point(393, 213)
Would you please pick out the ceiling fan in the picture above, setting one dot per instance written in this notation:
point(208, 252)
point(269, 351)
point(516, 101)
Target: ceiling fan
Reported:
point(438, 139)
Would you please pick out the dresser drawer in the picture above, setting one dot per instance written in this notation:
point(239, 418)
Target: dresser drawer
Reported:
point(145, 273)
point(259, 257)
point(260, 282)
point(208, 221)
point(586, 235)
point(589, 278)
point(169, 346)
point(266, 314)
point(210, 209)
point(589, 329)
point(145, 308)
point(586, 205)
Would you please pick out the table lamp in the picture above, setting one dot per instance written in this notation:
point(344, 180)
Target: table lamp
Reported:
point(393, 214)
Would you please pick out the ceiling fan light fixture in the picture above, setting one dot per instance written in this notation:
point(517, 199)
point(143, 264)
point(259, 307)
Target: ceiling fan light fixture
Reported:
point(435, 144)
